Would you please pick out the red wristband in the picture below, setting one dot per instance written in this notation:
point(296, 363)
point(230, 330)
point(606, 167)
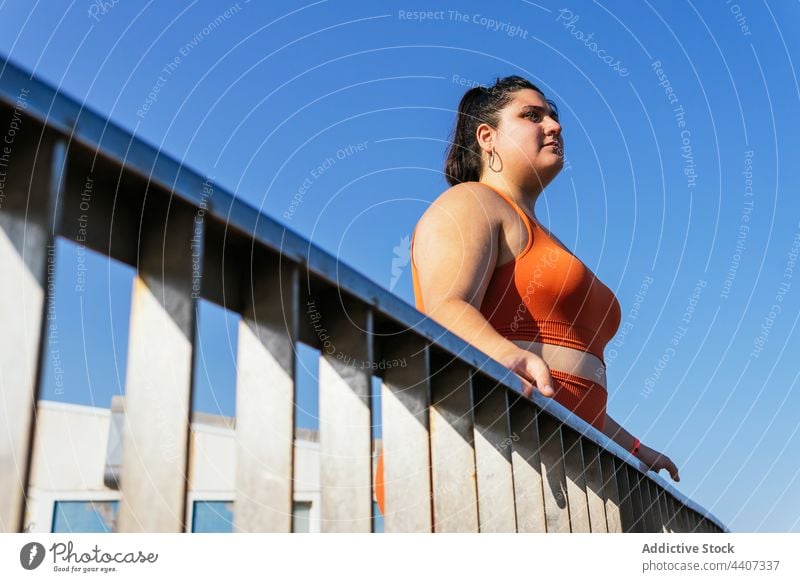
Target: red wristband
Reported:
point(635, 449)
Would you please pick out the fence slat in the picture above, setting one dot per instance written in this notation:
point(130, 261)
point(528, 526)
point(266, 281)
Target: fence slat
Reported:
point(405, 399)
point(553, 478)
point(672, 511)
point(576, 482)
point(158, 384)
point(345, 378)
point(33, 182)
point(637, 501)
point(611, 494)
point(455, 498)
point(693, 521)
point(684, 518)
point(647, 504)
point(493, 457)
point(265, 399)
point(625, 496)
point(594, 487)
point(655, 501)
point(666, 511)
point(527, 464)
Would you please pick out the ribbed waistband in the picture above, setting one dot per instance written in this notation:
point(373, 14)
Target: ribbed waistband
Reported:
point(557, 333)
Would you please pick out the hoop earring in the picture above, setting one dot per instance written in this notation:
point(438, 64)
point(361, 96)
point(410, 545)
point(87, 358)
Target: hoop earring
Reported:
point(491, 163)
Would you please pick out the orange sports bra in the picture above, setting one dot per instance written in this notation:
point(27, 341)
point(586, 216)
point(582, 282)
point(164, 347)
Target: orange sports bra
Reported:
point(545, 295)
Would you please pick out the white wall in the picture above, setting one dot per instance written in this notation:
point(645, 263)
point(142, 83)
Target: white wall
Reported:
point(69, 459)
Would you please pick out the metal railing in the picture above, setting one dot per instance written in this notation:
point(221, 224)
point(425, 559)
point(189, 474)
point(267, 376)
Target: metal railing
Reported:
point(463, 450)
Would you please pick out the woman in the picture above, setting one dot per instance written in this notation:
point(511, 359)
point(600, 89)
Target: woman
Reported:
point(484, 267)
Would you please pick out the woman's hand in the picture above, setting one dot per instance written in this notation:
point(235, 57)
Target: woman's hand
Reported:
point(530, 368)
point(656, 461)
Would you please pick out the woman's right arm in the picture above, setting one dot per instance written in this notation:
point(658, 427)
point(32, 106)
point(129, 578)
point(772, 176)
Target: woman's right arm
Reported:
point(455, 254)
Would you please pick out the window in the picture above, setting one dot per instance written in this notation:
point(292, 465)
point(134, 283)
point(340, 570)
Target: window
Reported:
point(377, 518)
point(217, 517)
point(212, 517)
point(301, 517)
point(84, 516)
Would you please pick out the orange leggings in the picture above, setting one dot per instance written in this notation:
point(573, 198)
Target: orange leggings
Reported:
point(583, 397)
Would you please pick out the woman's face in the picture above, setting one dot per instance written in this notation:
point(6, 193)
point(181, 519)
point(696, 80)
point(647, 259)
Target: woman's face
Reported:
point(528, 140)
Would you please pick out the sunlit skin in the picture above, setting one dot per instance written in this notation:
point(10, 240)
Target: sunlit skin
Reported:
point(528, 147)
point(455, 263)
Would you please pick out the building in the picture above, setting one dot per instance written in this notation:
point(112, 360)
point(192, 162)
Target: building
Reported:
point(77, 455)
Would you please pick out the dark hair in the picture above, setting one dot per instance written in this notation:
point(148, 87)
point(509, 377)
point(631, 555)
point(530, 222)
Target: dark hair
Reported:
point(479, 105)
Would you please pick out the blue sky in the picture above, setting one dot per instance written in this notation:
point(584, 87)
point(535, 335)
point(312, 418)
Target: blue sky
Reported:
point(681, 131)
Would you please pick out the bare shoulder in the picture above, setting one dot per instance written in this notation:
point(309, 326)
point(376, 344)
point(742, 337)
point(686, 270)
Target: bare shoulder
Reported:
point(468, 194)
point(455, 247)
point(467, 200)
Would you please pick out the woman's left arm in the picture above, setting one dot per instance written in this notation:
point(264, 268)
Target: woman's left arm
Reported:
point(650, 457)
